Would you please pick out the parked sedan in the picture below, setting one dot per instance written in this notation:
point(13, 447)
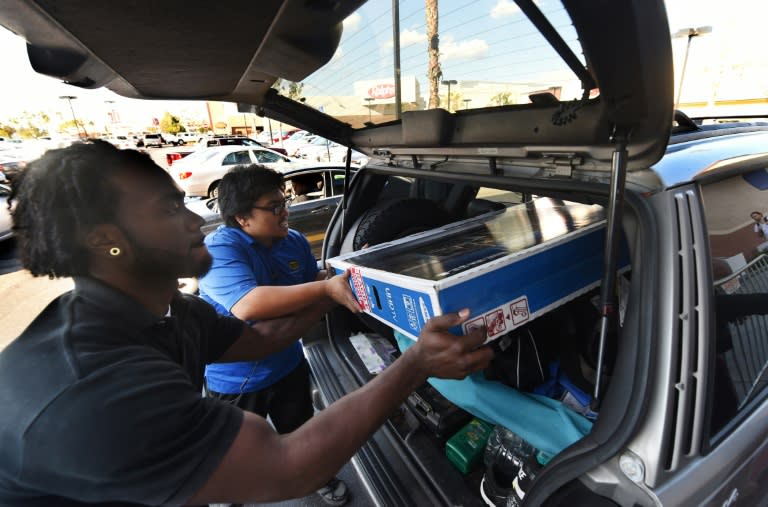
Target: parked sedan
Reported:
point(199, 173)
point(319, 149)
point(309, 213)
point(296, 141)
point(338, 154)
point(11, 164)
point(5, 215)
point(210, 142)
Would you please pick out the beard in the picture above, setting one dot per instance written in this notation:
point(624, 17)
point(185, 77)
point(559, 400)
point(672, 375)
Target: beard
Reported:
point(159, 264)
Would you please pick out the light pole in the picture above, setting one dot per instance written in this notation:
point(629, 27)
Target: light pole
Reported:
point(369, 100)
point(70, 98)
point(396, 52)
point(110, 115)
point(690, 33)
point(449, 82)
point(466, 103)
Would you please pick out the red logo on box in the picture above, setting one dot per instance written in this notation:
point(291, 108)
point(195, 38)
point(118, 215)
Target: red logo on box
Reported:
point(494, 322)
point(359, 286)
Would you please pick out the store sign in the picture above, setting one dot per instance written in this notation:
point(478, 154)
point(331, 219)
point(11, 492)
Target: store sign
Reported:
point(382, 91)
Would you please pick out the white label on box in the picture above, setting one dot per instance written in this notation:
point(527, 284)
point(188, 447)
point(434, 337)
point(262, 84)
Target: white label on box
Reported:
point(424, 310)
point(501, 319)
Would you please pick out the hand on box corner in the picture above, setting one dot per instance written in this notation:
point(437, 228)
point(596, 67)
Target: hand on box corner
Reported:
point(338, 289)
point(446, 355)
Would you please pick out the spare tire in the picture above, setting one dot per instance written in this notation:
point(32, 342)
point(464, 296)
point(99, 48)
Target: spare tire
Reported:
point(388, 221)
point(398, 218)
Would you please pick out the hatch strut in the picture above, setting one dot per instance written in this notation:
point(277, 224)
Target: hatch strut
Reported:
point(347, 172)
point(609, 304)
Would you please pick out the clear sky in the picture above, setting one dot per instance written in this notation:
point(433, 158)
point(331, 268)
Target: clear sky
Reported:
point(732, 61)
point(22, 89)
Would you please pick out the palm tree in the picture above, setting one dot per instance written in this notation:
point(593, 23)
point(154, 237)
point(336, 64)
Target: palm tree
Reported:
point(434, 74)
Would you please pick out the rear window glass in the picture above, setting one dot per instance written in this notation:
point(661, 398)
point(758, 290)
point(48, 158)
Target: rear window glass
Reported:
point(487, 53)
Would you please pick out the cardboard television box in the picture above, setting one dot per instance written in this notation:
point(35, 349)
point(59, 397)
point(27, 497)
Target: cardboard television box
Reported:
point(508, 267)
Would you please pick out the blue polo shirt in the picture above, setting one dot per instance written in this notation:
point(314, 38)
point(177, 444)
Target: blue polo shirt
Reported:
point(240, 263)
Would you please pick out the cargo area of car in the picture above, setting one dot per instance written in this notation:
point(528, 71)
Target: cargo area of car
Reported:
point(554, 357)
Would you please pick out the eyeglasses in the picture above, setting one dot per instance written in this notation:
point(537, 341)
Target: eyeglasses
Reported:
point(276, 209)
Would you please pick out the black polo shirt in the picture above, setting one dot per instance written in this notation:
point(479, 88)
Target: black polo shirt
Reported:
point(100, 402)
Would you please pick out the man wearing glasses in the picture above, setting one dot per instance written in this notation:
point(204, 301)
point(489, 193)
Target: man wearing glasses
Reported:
point(261, 270)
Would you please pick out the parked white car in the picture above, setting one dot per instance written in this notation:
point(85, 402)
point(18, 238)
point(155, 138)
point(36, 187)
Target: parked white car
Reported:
point(5, 216)
point(122, 142)
point(172, 139)
point(296, 141)
point(319, 149)
point(316, 147)
point(199, 173)
point(338, 154)
point(190, 137)
point(149, 140)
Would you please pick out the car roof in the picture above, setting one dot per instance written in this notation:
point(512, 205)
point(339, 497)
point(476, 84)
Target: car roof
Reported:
point(239, 147)
point(714, 153)
point(625, 44)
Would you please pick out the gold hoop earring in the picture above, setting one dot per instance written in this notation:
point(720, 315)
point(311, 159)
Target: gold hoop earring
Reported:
point(114, 251)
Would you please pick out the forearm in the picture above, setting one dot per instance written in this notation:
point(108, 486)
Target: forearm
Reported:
point(318, 449)
point(269, 302)
point(267, 337)
point(263, 466)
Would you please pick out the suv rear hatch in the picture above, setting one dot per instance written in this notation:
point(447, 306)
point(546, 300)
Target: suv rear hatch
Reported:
point(566, 131)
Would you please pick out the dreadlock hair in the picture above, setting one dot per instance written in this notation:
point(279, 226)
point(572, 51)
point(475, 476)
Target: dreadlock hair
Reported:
point(61, 196)
point(243, 185)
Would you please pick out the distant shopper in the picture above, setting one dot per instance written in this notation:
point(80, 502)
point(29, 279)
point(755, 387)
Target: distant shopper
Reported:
point(100, 395)
point(302, 186)
point(262, 269)
point(761, 224)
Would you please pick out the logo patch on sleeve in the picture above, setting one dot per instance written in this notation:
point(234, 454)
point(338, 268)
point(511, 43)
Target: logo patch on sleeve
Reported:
point(293, 265)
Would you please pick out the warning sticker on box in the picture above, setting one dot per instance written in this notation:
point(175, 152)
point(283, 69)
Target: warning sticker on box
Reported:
point(518, 309)
point(359, 285)
point(501, 319)
point(410, 312)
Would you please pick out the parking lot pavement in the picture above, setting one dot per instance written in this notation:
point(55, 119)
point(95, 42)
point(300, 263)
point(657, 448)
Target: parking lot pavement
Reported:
point(22, 297)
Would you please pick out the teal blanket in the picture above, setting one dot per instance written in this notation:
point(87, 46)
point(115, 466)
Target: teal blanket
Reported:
point(547, 424)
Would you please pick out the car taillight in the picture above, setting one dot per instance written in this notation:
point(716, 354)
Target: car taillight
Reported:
point(185, 175)
point(171, 157)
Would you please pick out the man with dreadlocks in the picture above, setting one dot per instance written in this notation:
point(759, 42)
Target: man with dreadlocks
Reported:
point(100, 395)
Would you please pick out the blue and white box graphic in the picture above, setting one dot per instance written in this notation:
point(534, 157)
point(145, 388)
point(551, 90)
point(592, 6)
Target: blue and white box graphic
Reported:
point(508, 267)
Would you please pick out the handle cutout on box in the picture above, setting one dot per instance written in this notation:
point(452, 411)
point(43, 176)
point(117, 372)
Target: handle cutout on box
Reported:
point(376, 296)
